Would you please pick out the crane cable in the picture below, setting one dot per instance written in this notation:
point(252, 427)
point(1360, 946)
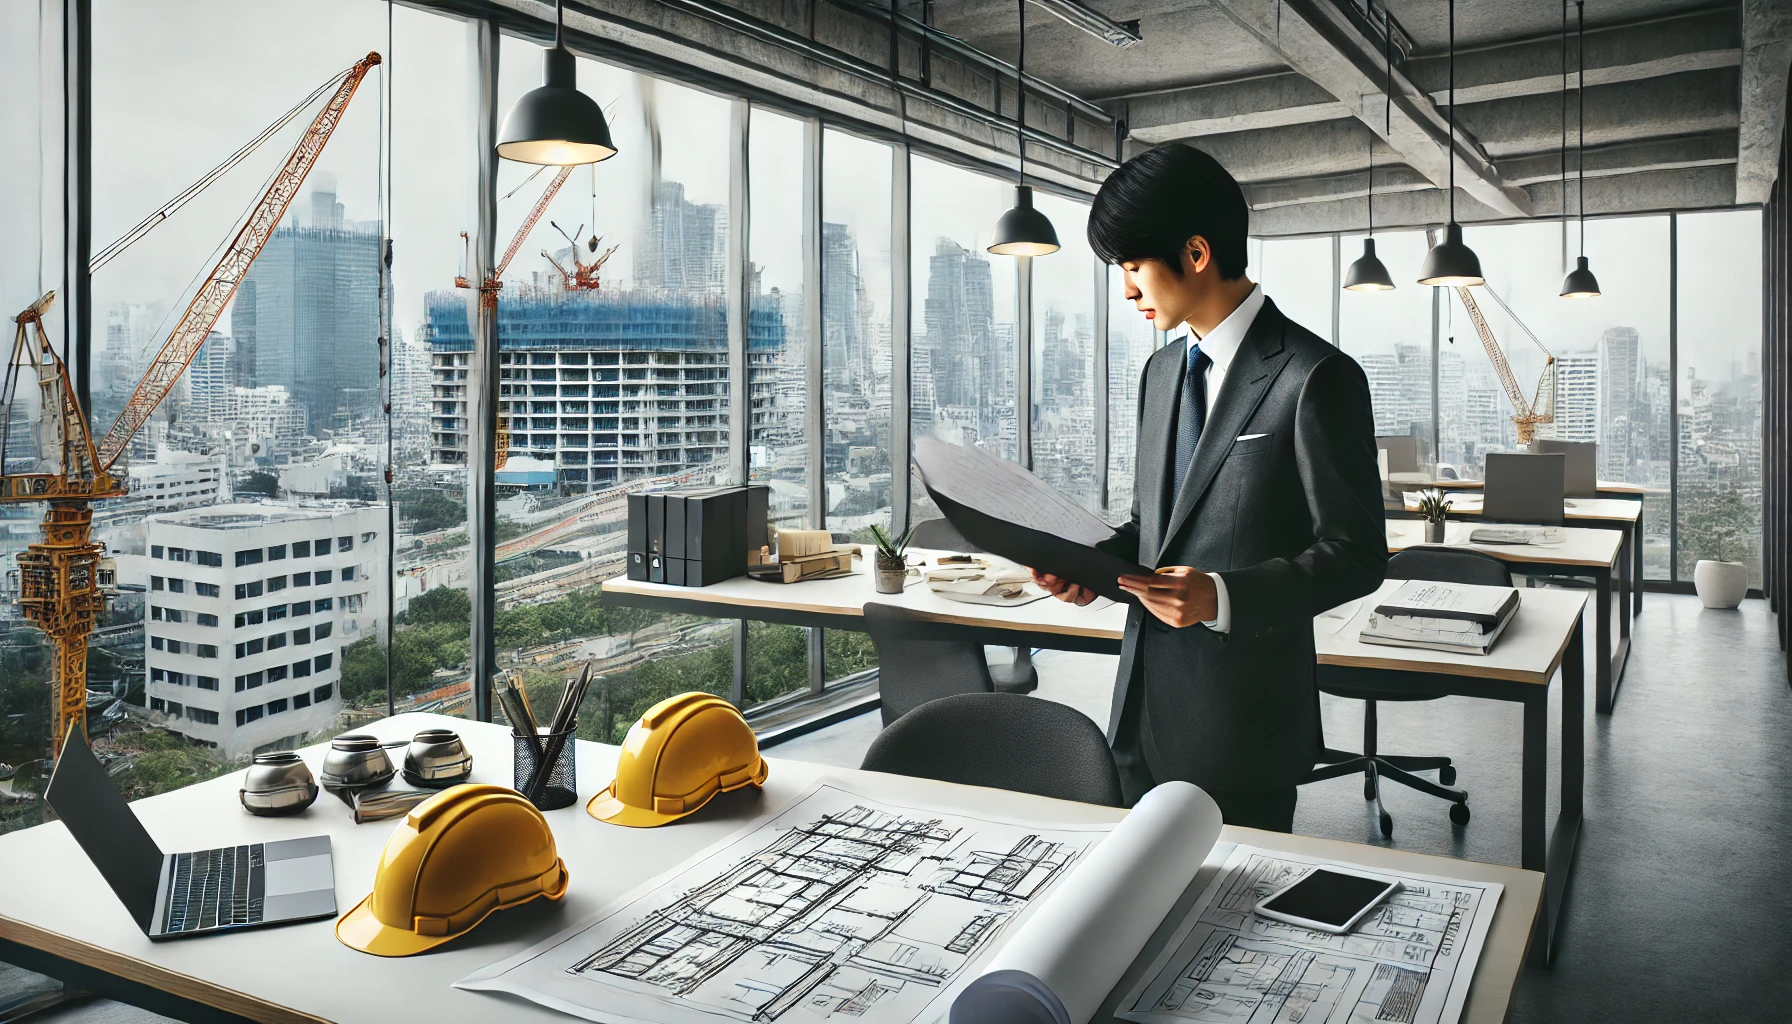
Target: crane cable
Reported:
point(387, 348)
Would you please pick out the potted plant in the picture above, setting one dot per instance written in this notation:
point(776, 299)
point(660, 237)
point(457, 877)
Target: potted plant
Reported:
point(1434, 508)
point(1721, 583)
point(891, 570)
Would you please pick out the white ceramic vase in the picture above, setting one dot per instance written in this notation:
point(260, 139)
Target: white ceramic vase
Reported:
point(1720, 584)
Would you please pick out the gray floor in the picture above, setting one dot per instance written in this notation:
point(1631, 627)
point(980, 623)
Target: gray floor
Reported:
point(1680, 908)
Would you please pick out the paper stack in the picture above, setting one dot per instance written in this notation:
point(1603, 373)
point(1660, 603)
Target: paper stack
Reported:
point(1435, 616)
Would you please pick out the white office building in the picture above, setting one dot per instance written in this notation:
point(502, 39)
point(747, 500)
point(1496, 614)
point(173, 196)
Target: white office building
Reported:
point(246, 614)
point(176, 479)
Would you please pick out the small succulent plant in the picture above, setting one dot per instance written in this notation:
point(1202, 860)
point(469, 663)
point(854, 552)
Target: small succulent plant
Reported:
point(892, 549)
point(1433, 506)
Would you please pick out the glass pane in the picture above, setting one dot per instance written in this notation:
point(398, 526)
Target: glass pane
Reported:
point(1389, 333)
point(1063, 400)
point(963, 366)
point(777, 371)
point(1719, 390)
point(1297, 274)
point(275, 437)
point(1131, 340)
point(24, 658)
point(614, 353)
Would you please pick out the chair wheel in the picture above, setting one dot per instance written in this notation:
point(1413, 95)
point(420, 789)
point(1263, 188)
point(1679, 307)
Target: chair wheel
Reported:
point(1459, 813)
point(1387, 824)
point(1447, 775)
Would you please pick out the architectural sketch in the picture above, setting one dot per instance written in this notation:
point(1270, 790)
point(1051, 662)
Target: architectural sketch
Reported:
point(1408, 961)
point(840, 909)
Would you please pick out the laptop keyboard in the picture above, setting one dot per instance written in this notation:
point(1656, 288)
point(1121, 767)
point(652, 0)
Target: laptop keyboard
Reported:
point(215, 889)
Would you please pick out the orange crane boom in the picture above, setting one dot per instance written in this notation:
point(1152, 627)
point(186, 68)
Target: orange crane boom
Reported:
point(59, 577)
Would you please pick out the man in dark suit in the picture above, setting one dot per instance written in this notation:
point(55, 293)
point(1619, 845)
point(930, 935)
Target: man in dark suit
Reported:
point(1256, 498)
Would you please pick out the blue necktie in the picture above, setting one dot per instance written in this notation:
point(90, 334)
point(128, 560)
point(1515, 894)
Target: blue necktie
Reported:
point(1191, 415)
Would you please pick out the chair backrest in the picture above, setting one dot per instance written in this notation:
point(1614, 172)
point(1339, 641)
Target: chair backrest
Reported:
point(912, 669)
point(1403, 452)
point(1523, 489)
point(1005, 741)
point(1580, 468)
point(941, 535)
point(1449, 565)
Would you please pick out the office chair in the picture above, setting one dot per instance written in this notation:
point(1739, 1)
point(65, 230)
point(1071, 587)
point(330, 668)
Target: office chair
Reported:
point(1445, 565)
point(914, 666)
point(1019, 675)
point(1005, 741)
point(1580, 468)
point(1523, 489)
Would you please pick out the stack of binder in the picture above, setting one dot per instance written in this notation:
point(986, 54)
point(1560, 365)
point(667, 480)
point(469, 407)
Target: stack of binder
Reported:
point(1457, 617)
point(694, 536)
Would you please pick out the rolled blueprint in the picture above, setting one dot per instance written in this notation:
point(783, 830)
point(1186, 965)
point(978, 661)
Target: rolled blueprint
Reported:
point(1063, 962)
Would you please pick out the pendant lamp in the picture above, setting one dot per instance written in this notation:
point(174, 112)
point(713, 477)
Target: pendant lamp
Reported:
point(1450, 263)
point(1023, 230)
point(1580, 282)
point(1368, 273)
point(556, 124)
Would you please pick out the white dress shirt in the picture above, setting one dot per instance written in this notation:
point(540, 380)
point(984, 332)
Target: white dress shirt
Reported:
point(1220, 345)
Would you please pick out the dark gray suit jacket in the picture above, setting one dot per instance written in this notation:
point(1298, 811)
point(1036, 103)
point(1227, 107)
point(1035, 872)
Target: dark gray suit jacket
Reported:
point(1291, 520)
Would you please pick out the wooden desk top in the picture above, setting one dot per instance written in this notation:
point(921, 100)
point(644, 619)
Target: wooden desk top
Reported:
point(847, 595)
point(1613, 487)
point(1580, 545)
point(1626, 510)
point(300, 972)
point(1529, 651)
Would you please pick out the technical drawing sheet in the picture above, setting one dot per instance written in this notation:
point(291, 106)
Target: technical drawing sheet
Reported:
point(1410, 960)
point(840, 907)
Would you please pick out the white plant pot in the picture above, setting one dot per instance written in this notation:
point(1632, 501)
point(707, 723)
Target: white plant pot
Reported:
point(1720, 584)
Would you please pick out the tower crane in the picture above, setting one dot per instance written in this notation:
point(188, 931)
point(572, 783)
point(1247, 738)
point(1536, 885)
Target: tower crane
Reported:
point(583, 277)
point(1527, 413)
point(59, 585)
point(489, 288)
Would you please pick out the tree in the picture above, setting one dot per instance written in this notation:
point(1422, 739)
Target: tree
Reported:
point(258, 482)
point(434, 511)
point(364, 671)
point(441, 605)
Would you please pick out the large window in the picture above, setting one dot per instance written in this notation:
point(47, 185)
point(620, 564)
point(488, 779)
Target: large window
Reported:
point(1297, 273)
point(1131, 340)
point(1389, 333)
point(777, 368)
point(1063, 358)
point(1719, 385)
point(964, 365)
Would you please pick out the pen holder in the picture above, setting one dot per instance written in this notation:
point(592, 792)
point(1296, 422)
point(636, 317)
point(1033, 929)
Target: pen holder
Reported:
point(560, 788)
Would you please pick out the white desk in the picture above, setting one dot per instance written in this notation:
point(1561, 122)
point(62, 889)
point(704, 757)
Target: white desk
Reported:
point(300, 972)
point(1584, 551)
point(1543, 637)
point(839, 604)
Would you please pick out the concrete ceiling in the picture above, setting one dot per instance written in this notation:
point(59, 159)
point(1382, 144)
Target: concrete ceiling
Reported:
point(1684, 99)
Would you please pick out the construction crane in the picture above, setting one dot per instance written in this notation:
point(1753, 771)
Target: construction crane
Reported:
point(489, 288)
point(59, 577)
point(1541, 406)
point(583, 277)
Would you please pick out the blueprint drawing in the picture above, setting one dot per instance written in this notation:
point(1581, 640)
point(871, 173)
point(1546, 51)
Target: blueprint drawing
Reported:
point(841, 908)
point(1409, 961)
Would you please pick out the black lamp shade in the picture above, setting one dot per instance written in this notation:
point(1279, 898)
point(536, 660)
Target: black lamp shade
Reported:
point(556, 124)
point(1368, 274)
point(1580, 282)
point(1450, 263)
point(1024, 231)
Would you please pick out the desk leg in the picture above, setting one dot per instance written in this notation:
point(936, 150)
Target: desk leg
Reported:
point(1636, 563)
point(1604, 672)
point(1558, 863)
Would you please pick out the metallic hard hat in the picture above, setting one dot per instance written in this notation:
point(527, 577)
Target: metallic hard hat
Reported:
point(458, 856)
point(682, 752)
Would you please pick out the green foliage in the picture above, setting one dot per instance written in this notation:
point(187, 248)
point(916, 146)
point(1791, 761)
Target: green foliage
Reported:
point(1433, 506)
point(257, 482)
point(849, 652)
point(508, 529)
point(777, 661)
point(433, 511)
point(1714, 524)
point(888, 546)
point(440, 606)
point(24, 694)
point(161, 762)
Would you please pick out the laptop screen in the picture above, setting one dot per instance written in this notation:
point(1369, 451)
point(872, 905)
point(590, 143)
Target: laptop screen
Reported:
point(100, 820)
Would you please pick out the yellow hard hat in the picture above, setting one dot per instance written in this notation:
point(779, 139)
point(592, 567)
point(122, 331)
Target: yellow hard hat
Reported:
point(683, 751)
point(458, 856)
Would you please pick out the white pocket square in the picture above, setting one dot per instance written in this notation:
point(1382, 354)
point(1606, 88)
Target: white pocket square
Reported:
point(1248, 437)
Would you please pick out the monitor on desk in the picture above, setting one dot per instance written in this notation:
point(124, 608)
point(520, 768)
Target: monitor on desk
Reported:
point(1580, 468)
point(1403, 452)
point(1523, 489)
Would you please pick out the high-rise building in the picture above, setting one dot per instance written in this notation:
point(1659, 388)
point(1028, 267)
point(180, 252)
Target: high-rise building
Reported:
point(1620, 390)
point(1577, 398)
point(687, 244)
point(175, 479)
point(210, 379)
point(608, 385)
point(247, 610)
point(972, 361)
point(846, 360)
point(307, 315)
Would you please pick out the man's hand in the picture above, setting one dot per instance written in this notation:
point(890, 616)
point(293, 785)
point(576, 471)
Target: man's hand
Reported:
point(1063, 589)
point(1178, 595)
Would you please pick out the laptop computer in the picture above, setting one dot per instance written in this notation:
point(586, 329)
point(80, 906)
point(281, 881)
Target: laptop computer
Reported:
point(174, 895)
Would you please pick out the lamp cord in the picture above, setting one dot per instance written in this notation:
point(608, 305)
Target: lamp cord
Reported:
point(559, 18)
point(1580, 152)
point(1564, 188)
point(1450, 151)
point(1020, 96)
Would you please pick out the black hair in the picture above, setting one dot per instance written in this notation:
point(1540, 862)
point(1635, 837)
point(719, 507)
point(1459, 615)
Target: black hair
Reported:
point(1154, 203)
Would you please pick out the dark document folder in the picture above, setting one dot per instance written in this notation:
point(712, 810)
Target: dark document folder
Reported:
point(1007, 511)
